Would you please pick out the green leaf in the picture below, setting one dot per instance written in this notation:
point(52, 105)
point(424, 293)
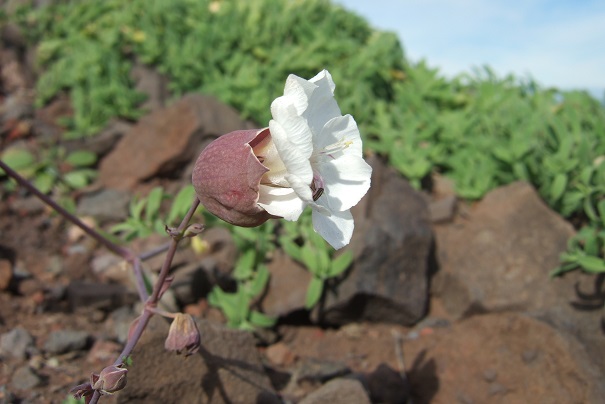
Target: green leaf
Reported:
point(136, 209)
point(262, 320)
point(260, 280)
point(314, 292)
point(561, 269)
point(181, 204)
point(17, 159)
point(601, 209)
point(309, 258)
point(154, 201)
point(290, 248)
point(244, 268)
point(592, 264)
point(558, 186)
point(44, 181)
point(81, 158)
point(340, 264)
point(76, 179)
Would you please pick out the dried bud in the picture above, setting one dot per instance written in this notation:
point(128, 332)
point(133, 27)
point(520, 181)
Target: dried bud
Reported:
point(183, 335)
point(111, 379)
point(82, 390)
point(193, 230)
point(227, 177)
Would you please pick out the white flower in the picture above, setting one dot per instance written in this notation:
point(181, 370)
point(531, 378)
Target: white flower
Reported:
point(314, 157)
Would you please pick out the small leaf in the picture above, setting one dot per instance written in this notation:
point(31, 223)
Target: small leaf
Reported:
point(81, 158)
point(44, 181)
point(17, 159)
point(314, 292)
point(340, 264)
point(244, 267)
point(592, 264)
point(154, 200)
point(309, 258)
point(262, 320)
point(601, 209)
point(181, 204)
point(136, 209)
point(290, 248)
point(558, 187)
point(76, 179)
point(260, 280)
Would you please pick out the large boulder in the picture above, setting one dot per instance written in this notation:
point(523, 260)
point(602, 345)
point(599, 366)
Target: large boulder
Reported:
point(392, 246)
point(504, 358)
point(498, 256)
point(166, 140)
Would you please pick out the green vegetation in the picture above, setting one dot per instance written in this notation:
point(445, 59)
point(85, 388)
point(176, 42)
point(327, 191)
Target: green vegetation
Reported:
point(480, 130)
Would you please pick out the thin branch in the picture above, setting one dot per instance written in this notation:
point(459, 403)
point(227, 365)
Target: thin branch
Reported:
point(152, 301)
point(126, 254)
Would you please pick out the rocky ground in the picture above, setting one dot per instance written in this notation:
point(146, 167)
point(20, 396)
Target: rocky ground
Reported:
point(446, 302)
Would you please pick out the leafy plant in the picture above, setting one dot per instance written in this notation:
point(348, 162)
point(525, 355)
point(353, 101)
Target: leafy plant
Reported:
point(307, 247)
point(145, 214)
point(251, 276)
point(55, 169)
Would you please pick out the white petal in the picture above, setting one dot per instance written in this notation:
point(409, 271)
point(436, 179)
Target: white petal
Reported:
point(280, 202)
point(299, 91)
point(295, 127)
point(324, 78)
point(301, 187)
point(343, 130)
point(347, 179)
point(336, 229)
point(295, 161)
point(322, 107)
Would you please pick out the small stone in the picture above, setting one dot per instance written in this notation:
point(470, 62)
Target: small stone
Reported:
point(352, 331)
point(28, 287)
point(490, 375)
point(318, 370)
point(497, 388)
point(529, 355)
point(27, 206)
point(6, 273)
point(279, 354)
point(63, 341)
point(25, 379)
point(105, 205)
point(17, 343)
point(464, 399)
point(339, 391)
point(443, 210)
point(103, 351)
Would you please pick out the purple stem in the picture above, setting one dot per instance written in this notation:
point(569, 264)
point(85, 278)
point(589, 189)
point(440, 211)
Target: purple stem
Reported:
point(126, 254)
point(116, 249)
point(152, 301)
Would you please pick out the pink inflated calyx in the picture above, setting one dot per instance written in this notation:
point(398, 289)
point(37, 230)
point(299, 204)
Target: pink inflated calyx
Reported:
point(227, 175)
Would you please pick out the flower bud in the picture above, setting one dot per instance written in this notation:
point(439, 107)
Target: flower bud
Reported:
point(183, 335)
point(110, 380)
point(227, 176)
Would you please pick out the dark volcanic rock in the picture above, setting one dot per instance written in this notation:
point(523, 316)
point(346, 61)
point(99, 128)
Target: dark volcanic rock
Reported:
point(392, 248)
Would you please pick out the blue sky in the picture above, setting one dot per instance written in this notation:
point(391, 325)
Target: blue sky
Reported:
point(559, 43)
